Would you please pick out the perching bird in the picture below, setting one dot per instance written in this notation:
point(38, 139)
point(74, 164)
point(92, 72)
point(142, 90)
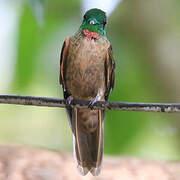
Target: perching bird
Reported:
point(87, 73)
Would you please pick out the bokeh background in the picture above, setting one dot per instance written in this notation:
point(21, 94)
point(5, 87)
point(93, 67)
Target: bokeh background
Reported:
point(146, 41)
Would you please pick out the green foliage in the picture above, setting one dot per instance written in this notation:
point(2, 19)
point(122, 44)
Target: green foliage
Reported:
point(27, 49)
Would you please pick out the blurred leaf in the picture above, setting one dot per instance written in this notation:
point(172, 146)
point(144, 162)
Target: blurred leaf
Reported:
point(59, 9)
point(38, 9)
point(27, 48)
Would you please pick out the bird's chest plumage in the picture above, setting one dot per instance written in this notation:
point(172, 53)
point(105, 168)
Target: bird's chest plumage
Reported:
point(85, 67)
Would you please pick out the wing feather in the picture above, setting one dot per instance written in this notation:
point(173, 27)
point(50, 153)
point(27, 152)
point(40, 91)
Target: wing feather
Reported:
point(109, 71)
point(63, 58)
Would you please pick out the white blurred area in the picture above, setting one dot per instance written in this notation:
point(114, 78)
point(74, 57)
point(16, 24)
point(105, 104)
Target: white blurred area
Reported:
point(8, 41)
point(106, 5)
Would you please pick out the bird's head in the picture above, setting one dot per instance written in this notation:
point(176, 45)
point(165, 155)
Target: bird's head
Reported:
point(93, 25)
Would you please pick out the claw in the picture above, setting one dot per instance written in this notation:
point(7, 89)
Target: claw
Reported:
point(69, 100)
point(92, 102)
point(97, 98)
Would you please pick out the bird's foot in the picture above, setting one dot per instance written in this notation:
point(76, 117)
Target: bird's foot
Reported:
point(97, 98)
point(69, 100)
point(92, 102)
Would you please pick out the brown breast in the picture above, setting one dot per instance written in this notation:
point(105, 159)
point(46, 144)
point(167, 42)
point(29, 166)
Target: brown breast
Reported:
point(85, 67)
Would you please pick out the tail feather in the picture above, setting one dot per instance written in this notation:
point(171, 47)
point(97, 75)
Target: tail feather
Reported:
point(87, 127)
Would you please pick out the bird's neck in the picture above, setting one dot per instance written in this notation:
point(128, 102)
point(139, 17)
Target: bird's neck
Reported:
point(90, 35)
point(92, 31)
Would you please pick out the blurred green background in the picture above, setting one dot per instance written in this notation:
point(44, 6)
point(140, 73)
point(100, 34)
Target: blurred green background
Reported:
point(146, 41)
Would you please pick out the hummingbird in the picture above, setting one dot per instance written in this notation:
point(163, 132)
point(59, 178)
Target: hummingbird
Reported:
point(87, 73)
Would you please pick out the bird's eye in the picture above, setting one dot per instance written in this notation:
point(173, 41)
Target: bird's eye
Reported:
point(92, 22)
point(104, 23)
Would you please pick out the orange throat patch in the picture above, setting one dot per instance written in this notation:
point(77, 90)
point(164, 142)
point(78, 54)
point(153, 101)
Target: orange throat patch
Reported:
point(90, 35)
